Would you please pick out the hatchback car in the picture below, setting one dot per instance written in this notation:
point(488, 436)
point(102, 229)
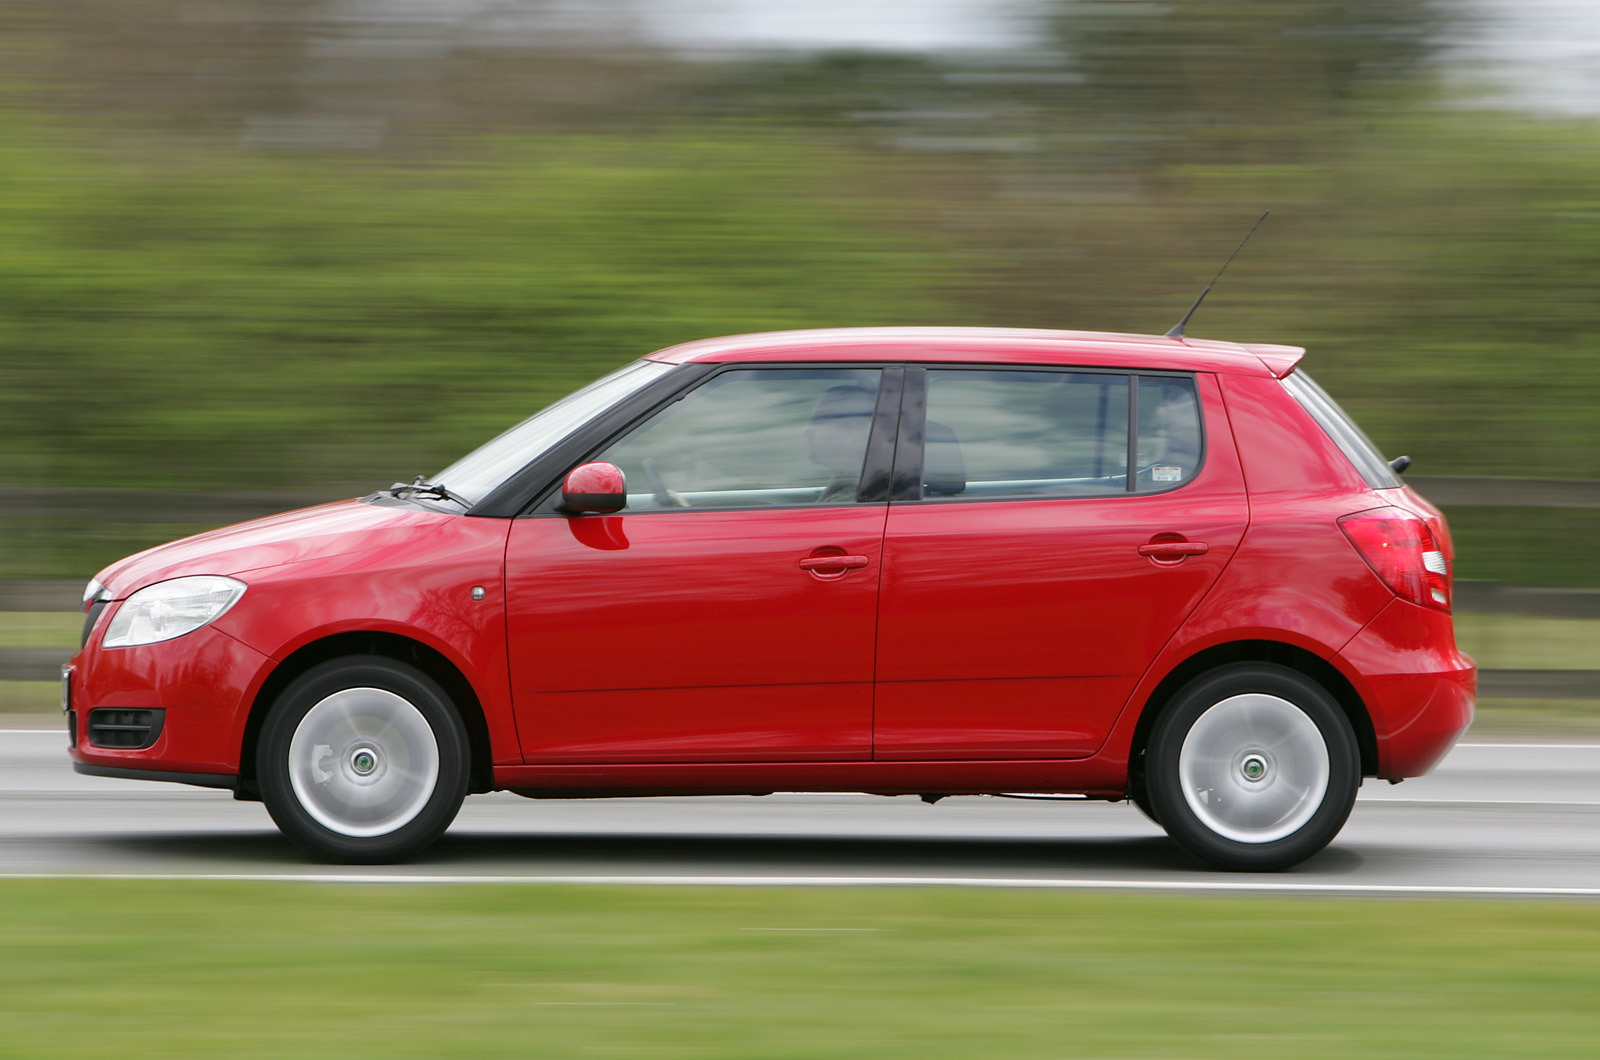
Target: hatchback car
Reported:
point(897, 561)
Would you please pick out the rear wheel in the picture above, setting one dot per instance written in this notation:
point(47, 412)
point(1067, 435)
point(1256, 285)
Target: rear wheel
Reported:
point(363, 759)
point(1253, 767)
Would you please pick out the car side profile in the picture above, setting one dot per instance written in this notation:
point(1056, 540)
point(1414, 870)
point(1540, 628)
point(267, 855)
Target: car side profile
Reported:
point(924, 561)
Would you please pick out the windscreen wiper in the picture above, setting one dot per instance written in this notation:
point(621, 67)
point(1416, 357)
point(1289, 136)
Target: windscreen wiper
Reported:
point(428, 489)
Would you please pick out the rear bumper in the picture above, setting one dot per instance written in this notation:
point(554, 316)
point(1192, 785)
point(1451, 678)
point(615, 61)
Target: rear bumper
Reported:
point(1420, 690)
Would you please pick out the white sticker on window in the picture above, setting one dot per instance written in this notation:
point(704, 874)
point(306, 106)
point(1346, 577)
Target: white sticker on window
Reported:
point(1162, 473)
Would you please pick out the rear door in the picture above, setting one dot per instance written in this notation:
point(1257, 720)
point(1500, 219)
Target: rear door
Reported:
point(1029, 579)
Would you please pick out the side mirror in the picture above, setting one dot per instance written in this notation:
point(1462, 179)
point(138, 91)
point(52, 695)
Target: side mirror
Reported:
point(598, 487)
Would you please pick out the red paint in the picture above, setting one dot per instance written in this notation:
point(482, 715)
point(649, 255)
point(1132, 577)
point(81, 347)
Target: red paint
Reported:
point(1418, 686)
point(1029, 646)
point(703, 640)
point(599, 487)
point(202, 680)
point(940, 646)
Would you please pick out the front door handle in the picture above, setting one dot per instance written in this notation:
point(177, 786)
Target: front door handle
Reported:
point(833, 563)
point(1173, 549)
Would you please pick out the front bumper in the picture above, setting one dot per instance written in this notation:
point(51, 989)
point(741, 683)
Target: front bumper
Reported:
point(202, 681)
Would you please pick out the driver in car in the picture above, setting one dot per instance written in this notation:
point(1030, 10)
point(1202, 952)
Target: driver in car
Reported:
point(837, 436)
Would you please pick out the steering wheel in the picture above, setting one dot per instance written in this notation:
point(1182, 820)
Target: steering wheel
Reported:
point(664, 497)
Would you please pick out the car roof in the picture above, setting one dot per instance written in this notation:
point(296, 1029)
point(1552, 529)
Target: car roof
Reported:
point(990, 346)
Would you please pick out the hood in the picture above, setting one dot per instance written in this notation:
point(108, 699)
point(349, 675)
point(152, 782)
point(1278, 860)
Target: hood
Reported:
point(333, 529)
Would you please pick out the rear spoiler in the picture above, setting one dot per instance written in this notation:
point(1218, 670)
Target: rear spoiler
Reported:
point(1280, 360)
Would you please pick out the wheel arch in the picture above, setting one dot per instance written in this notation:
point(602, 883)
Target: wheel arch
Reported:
point(1289, 656)
point(387, 645)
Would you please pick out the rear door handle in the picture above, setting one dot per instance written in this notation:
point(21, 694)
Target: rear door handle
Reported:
point(1172, 549)
point(833, 562)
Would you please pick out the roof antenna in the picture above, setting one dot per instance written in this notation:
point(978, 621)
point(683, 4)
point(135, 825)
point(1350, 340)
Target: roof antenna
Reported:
point(1177, 330)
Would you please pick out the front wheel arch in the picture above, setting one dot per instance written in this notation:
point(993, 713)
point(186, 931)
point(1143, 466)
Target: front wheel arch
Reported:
point(388, 645)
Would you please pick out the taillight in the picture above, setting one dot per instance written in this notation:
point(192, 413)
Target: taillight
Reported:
point(1404, 552)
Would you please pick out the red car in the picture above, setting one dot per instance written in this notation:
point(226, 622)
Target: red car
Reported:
point(899, 561)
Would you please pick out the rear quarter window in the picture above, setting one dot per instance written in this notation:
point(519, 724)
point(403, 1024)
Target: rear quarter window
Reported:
point(1350, 439)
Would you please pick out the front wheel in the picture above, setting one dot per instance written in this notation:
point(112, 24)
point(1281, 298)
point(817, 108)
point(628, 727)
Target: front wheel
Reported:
point(1253, 767)
point(363, 759)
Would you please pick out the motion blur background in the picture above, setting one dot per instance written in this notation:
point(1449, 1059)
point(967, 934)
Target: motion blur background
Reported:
point(292, 250)
point(259, 253)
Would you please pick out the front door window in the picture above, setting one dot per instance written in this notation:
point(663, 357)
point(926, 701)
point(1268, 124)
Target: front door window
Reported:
point(753, 438)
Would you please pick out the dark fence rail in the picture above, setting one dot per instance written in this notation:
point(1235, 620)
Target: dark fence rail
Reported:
point(208, 508)
point(1448, 491)
point(221, 508)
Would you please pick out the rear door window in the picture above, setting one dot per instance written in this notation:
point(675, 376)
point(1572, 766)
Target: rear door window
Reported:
point(1014, 433)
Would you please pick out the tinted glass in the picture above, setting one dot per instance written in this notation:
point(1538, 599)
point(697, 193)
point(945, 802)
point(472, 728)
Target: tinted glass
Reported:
point(753, 437)
point(1025, 434)
point(1169, 433)
point(1342, 429)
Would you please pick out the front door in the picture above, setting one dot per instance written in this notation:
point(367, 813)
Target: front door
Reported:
point(728, 613)
point(1029, 579)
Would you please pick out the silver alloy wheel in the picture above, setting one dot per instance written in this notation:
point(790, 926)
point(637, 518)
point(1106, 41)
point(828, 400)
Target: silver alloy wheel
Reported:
point(363, 762)
point(1254, 768)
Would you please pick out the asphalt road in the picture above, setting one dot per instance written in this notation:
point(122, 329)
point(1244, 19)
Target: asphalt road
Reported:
point(1493, 817)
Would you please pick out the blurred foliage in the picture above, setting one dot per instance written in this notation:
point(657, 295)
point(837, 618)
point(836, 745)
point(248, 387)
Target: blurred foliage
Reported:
point(207, 318)
point(282, 243)
point(1527, 546)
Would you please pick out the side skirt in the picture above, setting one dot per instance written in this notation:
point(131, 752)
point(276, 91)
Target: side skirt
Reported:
point(1097, 779)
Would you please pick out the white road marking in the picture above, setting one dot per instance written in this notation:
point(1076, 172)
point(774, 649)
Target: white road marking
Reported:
point(1537, 746)
point(1169, 886)
point(1372, 800)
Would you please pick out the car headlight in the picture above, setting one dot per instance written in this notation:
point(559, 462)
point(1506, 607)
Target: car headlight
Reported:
point(170, 609)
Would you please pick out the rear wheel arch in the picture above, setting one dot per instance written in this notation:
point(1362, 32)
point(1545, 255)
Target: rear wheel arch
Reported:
point(387, 645)
point(1288, 656)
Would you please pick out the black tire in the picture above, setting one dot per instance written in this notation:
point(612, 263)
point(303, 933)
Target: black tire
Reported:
point(363, 760)
point(1252, 767)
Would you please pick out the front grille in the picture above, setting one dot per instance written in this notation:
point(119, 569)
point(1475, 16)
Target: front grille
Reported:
point(128, 730)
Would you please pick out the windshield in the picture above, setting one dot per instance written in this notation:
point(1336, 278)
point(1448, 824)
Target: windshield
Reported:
point(477, 474)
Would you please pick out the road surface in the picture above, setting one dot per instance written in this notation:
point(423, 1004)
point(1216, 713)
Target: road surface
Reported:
point(1494, 818)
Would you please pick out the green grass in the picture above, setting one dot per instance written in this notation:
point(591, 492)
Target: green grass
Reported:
point(40, 629)
point(93, 969)
point(1523, 642)
point(30, 697)
point(1536, 719)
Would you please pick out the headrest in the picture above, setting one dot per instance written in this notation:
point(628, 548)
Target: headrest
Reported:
point(944, 470)
point(841, 402)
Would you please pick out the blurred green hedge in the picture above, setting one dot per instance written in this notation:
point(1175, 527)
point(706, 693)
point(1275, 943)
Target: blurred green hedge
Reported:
point(186, 304)
point(227, 318)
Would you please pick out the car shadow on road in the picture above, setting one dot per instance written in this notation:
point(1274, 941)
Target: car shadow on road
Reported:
point(687, 854)
point(658, 854)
